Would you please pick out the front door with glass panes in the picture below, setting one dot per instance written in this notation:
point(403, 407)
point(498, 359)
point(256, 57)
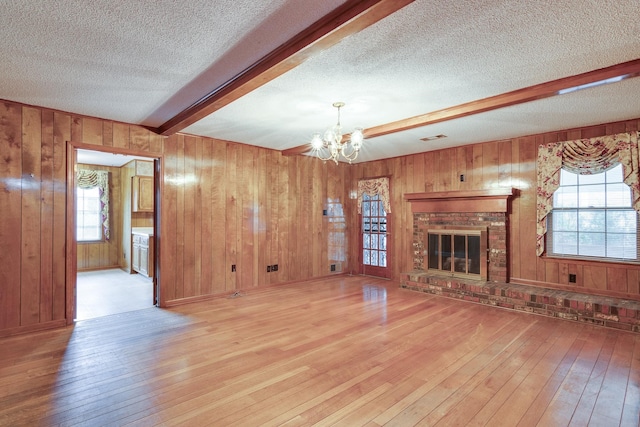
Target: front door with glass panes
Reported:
point(374, 245)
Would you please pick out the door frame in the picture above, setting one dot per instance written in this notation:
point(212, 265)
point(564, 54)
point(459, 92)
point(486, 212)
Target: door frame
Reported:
point(70, 223)
point(382, 272)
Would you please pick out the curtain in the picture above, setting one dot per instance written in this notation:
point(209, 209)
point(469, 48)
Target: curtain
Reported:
point(372, 187)
point(584, 157)
point(91, 179)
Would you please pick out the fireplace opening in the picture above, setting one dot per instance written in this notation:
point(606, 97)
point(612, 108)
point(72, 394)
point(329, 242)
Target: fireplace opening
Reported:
point(458, 253)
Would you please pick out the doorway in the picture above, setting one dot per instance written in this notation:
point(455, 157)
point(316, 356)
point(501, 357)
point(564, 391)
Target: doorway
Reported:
point(103, 280)
point(374, 244)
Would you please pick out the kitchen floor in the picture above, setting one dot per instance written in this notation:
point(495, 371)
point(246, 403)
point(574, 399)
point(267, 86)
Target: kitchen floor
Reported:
point(105, 292)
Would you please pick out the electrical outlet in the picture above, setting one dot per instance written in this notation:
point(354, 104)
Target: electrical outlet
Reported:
point(333, 267)
point(274, 267)
point(268, 269)
point(233, 268)
point(572, 278)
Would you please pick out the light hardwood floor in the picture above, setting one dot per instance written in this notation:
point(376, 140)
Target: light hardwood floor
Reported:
point(112, 291)
point(349, 351)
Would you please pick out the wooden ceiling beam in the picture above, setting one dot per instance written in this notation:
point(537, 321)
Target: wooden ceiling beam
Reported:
point(544, 90)
point(351, 17)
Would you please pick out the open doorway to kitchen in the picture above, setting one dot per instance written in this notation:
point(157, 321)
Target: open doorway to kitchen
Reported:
point(114, 213)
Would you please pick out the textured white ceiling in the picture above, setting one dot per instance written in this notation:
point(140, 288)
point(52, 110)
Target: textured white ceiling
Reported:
point(143, 62)
point(137, 61)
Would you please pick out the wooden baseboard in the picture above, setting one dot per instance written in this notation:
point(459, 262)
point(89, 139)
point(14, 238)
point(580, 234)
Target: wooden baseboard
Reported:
point(189, 300)
point(83, 270)
point(54, 324)
point(579, 289)
point(226, 294)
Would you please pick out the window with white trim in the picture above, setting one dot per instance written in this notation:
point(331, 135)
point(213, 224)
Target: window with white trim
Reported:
point(592, 217)
point(88, 215)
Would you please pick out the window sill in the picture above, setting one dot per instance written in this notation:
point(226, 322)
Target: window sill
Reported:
point(583, 260)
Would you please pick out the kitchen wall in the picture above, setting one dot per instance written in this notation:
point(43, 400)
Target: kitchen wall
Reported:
point(105, 254)
point(131, 219)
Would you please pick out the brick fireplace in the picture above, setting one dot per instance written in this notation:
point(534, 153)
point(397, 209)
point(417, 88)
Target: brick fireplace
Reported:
point(495, 224)
point(489, 210)
point(469, 210)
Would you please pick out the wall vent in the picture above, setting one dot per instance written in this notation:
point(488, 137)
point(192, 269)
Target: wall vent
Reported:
point(433, 138)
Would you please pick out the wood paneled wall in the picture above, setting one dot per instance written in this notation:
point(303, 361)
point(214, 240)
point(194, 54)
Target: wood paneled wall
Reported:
point(510, 163)
point(32, 204)
point(222, 204)
point(227, 204)
point(108, 253)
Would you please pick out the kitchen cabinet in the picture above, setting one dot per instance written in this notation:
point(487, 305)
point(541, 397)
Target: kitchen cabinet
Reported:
point(142, 252)
point(135, 255)
point(143, 168)
point(142, 193)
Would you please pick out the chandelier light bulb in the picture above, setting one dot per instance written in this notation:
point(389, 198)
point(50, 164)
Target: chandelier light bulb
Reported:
point(316, 141)
point(357, 138)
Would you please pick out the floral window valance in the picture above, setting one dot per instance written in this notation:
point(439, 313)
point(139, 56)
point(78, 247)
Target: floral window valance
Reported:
point(372, 187)
point(91, 179)
point(584, 157)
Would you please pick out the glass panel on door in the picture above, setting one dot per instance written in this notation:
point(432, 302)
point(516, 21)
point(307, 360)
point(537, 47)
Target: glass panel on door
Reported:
point(374, 236)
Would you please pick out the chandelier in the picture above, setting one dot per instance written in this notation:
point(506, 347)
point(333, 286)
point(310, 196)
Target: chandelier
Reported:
point(331, 145)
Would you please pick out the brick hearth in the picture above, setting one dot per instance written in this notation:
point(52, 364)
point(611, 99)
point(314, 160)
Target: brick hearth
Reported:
point(489, 209)
point(597, 310)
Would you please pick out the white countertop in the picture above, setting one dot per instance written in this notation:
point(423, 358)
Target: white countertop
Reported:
point(148, 231)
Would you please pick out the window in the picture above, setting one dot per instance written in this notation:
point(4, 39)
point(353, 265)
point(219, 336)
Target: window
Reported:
point(592, 216)
point(337, 232)
point(88, 215)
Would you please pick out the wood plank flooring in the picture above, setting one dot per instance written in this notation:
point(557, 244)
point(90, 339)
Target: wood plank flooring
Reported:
point(346, 351)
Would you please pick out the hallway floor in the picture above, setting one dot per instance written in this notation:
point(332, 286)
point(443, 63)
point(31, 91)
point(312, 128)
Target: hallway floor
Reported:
point(105, 292)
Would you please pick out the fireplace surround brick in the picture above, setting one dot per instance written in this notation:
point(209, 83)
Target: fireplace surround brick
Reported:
point(495, 222)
